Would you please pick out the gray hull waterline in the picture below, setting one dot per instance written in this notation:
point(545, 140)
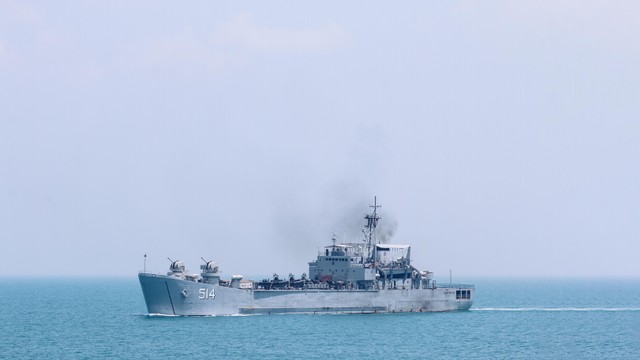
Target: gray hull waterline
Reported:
point(363, 277)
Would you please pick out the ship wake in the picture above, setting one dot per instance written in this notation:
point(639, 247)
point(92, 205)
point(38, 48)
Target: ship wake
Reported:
point(567, 309)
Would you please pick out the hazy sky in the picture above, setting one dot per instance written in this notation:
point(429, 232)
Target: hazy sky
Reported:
point(501, 137)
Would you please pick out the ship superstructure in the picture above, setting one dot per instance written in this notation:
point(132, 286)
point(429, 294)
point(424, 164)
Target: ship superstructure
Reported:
point(362, 277)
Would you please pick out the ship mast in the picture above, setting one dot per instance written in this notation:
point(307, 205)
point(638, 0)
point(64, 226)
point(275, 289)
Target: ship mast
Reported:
point(370, 228)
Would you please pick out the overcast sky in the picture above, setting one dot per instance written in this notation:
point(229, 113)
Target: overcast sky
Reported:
point(502, 138)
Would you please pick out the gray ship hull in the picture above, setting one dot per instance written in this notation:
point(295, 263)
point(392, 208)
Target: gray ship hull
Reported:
point(169, 295)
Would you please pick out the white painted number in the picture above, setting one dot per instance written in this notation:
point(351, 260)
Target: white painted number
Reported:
point(203, 294)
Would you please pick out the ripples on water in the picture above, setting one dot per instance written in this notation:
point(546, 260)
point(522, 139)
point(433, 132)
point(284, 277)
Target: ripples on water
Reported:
point(74, 318)
point(555, 309)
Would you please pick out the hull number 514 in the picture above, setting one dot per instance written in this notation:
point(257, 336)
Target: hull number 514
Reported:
point(204, 294)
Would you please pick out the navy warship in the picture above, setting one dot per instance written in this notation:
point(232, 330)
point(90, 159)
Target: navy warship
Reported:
point(362, 277)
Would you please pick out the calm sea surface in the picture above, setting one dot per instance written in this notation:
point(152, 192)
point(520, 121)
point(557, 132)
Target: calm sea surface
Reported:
point(528, 319)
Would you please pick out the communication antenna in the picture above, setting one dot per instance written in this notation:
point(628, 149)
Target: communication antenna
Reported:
point(145, 263)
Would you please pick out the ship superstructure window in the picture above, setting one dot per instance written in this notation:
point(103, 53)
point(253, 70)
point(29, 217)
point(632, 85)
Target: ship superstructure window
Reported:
point(463, 294)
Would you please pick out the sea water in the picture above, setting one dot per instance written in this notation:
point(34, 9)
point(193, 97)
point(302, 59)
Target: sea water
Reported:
point(510, 319)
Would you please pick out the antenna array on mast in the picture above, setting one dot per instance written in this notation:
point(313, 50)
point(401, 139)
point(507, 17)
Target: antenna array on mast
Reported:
point(370, 228)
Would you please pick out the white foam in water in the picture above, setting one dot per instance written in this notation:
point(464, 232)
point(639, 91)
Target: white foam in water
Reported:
point(556, 309)
point(195, 316)
point(162, 315)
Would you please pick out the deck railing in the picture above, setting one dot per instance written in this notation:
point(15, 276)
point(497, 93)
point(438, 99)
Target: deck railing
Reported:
point(454, 286)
